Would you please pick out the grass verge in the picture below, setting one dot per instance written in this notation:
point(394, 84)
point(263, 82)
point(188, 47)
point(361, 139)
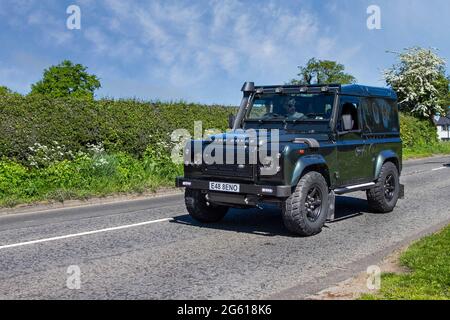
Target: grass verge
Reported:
point(429, 279)
point(426, 150)
point(84, 177)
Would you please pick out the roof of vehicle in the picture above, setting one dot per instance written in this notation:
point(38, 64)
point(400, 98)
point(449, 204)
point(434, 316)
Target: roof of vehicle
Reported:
point(366, 91)
point(351, 89)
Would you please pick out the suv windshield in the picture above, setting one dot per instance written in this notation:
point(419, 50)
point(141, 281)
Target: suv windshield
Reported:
point(291, 107)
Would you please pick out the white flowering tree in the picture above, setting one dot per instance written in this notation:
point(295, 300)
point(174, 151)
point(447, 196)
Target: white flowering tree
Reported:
point(417, 79)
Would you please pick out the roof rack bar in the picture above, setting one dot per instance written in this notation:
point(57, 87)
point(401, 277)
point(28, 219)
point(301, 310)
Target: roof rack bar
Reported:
point(351, 89)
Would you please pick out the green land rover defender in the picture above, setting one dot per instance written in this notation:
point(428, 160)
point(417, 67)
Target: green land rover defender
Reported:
point(298, 146)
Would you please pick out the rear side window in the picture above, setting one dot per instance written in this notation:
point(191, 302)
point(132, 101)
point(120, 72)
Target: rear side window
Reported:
point(380, 115)
point(349, 106)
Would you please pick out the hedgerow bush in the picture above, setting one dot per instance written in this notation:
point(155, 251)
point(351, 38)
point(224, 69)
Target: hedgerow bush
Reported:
point(74, 148)
point(417, 132)
point(128, 126)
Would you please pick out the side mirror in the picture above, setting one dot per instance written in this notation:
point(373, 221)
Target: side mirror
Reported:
point(231, 121)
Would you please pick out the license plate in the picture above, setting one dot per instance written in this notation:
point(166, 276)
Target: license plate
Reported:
point(224, 187)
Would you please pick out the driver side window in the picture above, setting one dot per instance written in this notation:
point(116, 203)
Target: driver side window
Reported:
point(260, 109)
point(348, 115)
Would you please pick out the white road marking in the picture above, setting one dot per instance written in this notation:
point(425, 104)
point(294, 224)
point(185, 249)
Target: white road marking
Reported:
point(85, 233)
point(424, 171)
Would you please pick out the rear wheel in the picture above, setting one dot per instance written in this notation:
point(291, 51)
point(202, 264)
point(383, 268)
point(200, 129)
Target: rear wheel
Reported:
point(200, 209)
point(383, 197)
point(306, 210)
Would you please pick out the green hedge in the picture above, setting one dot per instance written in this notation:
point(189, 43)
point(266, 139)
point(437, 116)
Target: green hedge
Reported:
point(128, 126)
point(417, 132)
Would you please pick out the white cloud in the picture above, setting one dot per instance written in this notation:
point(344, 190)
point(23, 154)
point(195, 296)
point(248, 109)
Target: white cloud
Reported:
point(194, 46)
point(53, 30)
point(98, 39)
point(199, 41)
point(325, 47)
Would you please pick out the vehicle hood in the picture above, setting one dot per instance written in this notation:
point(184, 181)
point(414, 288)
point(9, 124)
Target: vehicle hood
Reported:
point(285, 136)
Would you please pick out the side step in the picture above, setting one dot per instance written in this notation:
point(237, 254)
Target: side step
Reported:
point(354, 188)
point(333, 193)
point(340, 191)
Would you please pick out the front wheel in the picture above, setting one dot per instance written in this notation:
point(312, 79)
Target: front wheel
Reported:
point(383, 197)
point(200, 209)
point(306, 210)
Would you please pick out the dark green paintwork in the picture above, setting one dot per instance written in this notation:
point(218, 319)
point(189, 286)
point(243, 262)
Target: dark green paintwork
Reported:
point(344, 165)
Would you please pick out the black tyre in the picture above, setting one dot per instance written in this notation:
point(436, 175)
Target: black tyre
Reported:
point(200, 209)
point(306, 210)
point(383, 197)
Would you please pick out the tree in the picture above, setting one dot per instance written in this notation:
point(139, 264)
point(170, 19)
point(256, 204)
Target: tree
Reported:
point(4, 91)
point(420, 81)
point(322, 72)
point(443, 87)
point(67, 79)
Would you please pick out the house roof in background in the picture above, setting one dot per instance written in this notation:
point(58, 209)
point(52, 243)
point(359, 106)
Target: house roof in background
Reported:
point(443, 121)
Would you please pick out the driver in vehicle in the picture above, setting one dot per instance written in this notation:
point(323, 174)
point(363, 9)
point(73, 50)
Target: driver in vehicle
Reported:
point(292, 113)
point(269, 109)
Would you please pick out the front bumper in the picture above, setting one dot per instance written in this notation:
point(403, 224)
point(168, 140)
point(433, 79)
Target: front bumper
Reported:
point(248, 189)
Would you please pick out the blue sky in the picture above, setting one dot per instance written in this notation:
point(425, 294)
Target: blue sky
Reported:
point(202, 51)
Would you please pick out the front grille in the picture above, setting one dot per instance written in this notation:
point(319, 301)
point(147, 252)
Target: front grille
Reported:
point(230, 170)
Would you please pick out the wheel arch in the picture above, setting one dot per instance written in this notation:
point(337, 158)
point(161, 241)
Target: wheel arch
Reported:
point(307, 164)
point(386, 156)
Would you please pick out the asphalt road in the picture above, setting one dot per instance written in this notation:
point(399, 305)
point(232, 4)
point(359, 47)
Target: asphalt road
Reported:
point(151, 249)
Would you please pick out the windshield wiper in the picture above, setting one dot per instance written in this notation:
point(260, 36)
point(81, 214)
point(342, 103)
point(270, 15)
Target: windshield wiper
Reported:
point(269, 119)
